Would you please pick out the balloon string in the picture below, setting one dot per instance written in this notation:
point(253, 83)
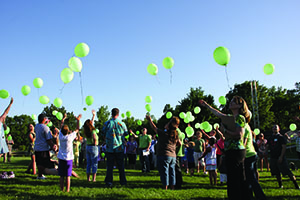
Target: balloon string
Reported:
point(227, 77)
point(171, 77)
point(157, 80)
point(81, 88)
point(61, 90)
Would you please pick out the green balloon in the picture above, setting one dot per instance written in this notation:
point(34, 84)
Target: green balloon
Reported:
point(256, 131)
point(186, 120)
point(201, 126)
point(139, 122)
point(152, 69)
point(209, 128)
point(222, 100)
point(58, 102)
point(197, 110)
point(54, 112)
point(67, 75)
point(33, 117)
point(123, 115)
point(168, 62)
point(84, 109)
point(269, 69)
point(197, 125)
point(182, 115)
point(128, 114)
point(189, 131)
point(25, 90)
point(293, 127)
point(97, 130)
point(137, 132)
point(126, 137)
point(81, 50)
point(38, 82)
point(148, 107)
point(148, 99)
point(4, 94)
point(102, 155)
point(7, 130)
point(168, 115)
point(49, 124)
point(59, 115)
point(44, 99)
point(216, 125)
point(222, 55)
point(75, 64)
point(9, 138)
point(89, 100)
point(205, 125)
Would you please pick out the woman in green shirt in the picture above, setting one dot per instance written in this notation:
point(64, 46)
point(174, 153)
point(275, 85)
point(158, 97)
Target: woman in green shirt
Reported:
point(235, 151)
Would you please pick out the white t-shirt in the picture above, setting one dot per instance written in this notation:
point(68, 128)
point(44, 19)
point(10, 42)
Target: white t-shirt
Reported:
point(66, 146)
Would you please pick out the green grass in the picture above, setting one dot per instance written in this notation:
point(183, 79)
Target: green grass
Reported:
point(140, 186)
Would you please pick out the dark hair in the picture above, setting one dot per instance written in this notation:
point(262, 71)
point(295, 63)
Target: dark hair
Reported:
point(88, 128)
point(212, 140)
point(173, 134)
point(244, 108)
point(115, 112)
point(65, 129)
point(41, 117)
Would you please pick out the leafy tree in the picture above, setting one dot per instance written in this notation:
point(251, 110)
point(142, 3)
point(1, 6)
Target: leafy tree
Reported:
point(103, 115)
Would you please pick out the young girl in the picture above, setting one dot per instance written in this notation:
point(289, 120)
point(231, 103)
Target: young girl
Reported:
point(131, 152)
point(211, 160)
point(65, 154)
point(190, 157)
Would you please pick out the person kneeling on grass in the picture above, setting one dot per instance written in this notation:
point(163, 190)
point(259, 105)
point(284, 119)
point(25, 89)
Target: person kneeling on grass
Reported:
point(211, 160)
point(65, 154)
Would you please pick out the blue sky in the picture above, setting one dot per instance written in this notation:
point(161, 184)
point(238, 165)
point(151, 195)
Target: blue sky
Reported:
point(38, 38)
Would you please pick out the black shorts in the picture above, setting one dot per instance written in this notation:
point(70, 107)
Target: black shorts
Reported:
point(132, 158)
point(191, 165)
point(282, 168)
point(43, 159)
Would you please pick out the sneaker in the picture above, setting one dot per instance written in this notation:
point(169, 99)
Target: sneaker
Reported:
point(41, 178)
point(11, 174)
point(205, 173)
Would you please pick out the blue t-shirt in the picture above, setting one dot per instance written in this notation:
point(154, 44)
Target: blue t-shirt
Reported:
point(42, 133)
point(115, 130)
point(190, 155)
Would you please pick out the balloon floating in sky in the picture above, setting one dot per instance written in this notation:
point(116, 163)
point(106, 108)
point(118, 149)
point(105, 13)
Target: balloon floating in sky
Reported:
point(269, 69)
point(44, 99)
point(209, 128)
point(197, 110)
point(128, 114)
point(59, 115)
point(189, 131)
point(222, 56)
point(38, 82)
point(4, 94)
point(84, 109)
point(75, 64)
point(33, 116)
point(197, 125)
point(58, 102)
point(26, 90)
point(168, 115)
point(256, 131)
point(123, 115)
point(222, 100)
point(152, 69)
point(67, 75)
point(182, 115)
point(148, 99)
point(81, 50)
point(7, 130)
point(137, 132)
point(139, 122)
point(54, 112)
point(148, 107)
point(293, 127)
point(89, 100)
point(168, 62)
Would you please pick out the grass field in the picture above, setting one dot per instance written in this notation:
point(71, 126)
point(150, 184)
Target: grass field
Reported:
point(140, 186)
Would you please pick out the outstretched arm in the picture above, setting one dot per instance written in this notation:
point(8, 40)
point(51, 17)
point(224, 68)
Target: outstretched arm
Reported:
point(220, 133)
point(78, 122)
point(3, 116)
point(134, 135)
point(153, 126)
point(93, 118)
point(63, 121)
point(213, 110)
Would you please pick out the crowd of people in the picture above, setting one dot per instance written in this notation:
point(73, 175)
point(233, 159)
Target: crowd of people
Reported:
point(234, 154)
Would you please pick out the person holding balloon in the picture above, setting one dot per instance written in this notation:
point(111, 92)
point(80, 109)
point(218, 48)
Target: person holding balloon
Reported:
point(166, 151)
point(3, 144)
point(234, 147)
point(31, 138)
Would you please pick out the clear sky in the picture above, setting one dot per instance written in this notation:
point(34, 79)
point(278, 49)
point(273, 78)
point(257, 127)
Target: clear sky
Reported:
point(124, 36)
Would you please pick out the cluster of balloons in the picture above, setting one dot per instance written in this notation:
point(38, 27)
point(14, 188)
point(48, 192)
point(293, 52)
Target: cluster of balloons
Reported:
point(168, 63)
point(148, 100)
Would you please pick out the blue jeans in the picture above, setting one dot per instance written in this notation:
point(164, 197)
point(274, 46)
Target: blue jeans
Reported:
point(91, 159)
point(111, 157)
point(166, 168)
point(252, 183)
point(145, 162)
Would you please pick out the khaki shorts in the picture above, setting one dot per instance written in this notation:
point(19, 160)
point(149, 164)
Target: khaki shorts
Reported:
point(197, 155)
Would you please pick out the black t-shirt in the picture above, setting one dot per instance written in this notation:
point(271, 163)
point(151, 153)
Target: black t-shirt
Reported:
point(275, 145)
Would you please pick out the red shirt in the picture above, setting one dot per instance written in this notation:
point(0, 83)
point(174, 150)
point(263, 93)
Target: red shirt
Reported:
point(220, 144)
